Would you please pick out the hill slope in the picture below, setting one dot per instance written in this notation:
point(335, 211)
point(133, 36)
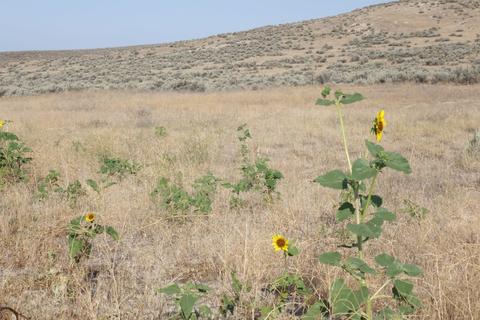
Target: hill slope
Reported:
point(410, 40)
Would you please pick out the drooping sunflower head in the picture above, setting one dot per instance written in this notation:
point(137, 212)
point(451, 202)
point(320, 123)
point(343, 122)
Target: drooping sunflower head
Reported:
point(279, 242)
point(90, 217)
point(379, 125)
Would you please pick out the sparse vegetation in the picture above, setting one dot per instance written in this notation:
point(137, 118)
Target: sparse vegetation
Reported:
point(199, 209)
point(431, 126)
point(428, 47)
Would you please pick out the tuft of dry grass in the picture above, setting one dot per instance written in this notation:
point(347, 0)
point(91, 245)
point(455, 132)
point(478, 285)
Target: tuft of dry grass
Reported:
point(69, 132)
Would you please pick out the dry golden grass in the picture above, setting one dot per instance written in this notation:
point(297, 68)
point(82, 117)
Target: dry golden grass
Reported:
point(430, 125)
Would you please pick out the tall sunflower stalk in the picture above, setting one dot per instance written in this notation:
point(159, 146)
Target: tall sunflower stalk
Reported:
point(362, 208)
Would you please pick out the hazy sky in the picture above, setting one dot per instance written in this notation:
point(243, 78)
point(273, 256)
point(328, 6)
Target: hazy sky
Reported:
point(74, 24)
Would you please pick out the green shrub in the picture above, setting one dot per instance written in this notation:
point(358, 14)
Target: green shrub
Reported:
point(186, 300)
point(13, 158)
point(176, 199)
point(119, 168)
point(256, 174)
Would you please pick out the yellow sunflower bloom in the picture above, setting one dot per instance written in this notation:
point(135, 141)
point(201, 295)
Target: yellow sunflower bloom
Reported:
point(279, 242)
point(90, 217)
point(2, 123)
point(379, 125)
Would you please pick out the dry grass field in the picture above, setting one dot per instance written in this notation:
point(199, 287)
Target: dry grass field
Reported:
point(437, 205)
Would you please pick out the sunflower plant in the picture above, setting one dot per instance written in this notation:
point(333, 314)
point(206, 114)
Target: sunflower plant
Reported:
point(13, 156)
point(363, 213)
point(257, 175)
point(187, 301)
point(81, 232)
point(289, 290)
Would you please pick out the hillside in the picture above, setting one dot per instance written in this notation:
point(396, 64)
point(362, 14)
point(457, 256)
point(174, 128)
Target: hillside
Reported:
point(422, 41)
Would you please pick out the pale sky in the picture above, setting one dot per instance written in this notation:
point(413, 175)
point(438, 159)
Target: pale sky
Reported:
point(80, 24)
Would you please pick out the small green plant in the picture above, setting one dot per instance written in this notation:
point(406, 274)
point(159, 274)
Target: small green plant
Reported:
point(176, 199)
point(414, 210)
point(256, 175)
point(13, 157)
point(186, 300)
point(49, 184)
point(362, 211)
point(289, 289)
point(73, 192)
point(81, 232)
point(118, 168)
point(160, 132)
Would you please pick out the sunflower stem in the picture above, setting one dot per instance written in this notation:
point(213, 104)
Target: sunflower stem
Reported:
point(369, 197)
point(342, 127)
point(360, 219)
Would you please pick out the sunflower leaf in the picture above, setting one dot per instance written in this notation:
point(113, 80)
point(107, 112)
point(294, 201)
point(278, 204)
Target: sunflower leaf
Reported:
point(326, 91)
point(335, 179)
point(324, 102)
point(292, 251)
point(397, 162)
point(112, 232)
point(384, 260)
point(187, 302)
point(331, 258)
point(361, 170)
point(373, 148)
point(351, 98)
point(345, 211)
point(171, 289)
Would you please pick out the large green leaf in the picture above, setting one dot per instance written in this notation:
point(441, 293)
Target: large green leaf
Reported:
point(386, 215)
point(351, 98)
point(358, 264)
point(8, 136)
point(187, 302)
point(335, 179)
point(397, 162)
point(324, 102)
point(171, 289)
point(326, 91)
point(403, 287)
point(373, 148)
point(361, 170)
point(292, 251)
point(94, 185)
point(361, 295)
point(384, 259)
point(375, 225)
point(360, 229)
point(331, 258)
point(394, 269)
point(345, 211)
point(112, 232)
point(75, 246)
point(412, 270)
point(341, 298)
